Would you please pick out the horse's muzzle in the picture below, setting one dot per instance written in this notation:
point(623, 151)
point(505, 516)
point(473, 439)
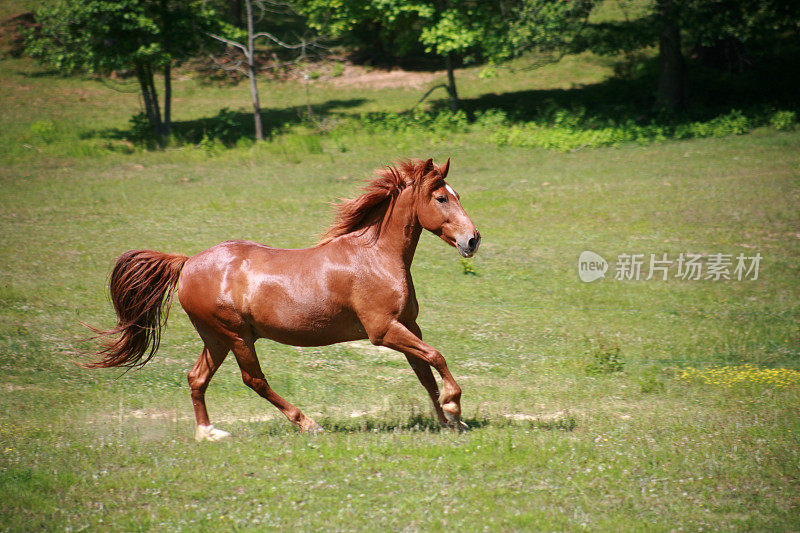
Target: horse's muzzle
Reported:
point(468, 245)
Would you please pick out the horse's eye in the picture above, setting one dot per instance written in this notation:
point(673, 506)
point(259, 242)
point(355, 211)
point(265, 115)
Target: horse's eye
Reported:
point(441, 199)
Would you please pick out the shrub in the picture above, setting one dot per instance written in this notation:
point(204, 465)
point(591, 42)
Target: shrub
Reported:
point(783, 120)
point(603, 356)
point(140, 130)
point(224, 127)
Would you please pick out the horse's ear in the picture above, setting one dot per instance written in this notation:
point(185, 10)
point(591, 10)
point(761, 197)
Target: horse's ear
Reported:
point(427, 166)
point(445, 169)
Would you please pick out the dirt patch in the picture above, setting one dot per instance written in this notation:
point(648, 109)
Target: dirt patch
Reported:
point(552, 417)
point(12, 33)
point(368, 347)
point(385, 79)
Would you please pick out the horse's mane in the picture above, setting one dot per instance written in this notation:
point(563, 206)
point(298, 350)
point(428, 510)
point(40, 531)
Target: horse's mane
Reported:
point(378, 196)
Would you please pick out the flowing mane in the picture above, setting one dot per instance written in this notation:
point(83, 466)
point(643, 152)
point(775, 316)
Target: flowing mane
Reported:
point(378, 196)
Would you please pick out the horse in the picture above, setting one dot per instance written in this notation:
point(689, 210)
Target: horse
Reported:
point(354, 284)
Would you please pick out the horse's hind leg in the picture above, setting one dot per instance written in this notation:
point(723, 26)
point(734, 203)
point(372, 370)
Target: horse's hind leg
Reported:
point(200, 375)
point(253, 377)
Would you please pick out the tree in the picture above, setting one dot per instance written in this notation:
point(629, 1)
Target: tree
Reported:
point(453, 30)
point(247, 48)
point(740, 26)
point(543, 25)
point(446, 29)
point(102, 36)
point(673, 85)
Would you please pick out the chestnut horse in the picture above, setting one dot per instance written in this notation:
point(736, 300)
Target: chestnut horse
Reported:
point(354, 284)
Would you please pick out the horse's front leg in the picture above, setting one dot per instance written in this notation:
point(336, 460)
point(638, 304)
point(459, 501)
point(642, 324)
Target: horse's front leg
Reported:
point(398, 337)
point(425, 376)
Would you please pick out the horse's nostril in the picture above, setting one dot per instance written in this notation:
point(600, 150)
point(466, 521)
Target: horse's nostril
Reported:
point(473, 242)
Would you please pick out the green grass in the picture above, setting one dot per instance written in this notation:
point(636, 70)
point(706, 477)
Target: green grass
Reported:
point(553, 446)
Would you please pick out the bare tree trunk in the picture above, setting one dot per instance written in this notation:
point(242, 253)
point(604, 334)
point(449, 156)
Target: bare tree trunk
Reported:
point(167, 97)
point(143, 86)
point(673, 90)
point(451, 83)
point(251, 72)
point(158, 125)
point(144, 74)
point(166, 34)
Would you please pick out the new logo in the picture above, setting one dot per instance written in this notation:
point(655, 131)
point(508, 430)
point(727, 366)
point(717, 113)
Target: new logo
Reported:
point(591, 266)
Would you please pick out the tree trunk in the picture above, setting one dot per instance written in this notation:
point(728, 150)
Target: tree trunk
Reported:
point(451, 83)
point(158, 125)
point(144, 87)
point(167, 98)
point(166, 34)
point(672, 80)
point(144, 74)
point(251, 72)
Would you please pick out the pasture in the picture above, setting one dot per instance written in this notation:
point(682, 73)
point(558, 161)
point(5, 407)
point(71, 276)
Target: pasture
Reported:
point(598, 406)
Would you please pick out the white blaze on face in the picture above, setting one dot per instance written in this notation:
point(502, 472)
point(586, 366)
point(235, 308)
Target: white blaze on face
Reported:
point(450, 190)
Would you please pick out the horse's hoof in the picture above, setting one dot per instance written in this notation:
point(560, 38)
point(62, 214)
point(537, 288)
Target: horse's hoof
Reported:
point(458, 426)
point(210, 433)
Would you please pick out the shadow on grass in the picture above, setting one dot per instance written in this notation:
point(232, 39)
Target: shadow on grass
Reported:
point(616, 110)
point(632, 97)
point(229, 127)
point(419, 423)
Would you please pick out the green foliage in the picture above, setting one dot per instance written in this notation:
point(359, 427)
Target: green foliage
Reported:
point(603, 356)
point(554, 127)
point(209, 145)
point(408, 27)
point(783, 120)
point(544, 25)
point(224, 127)
point(441, 122)
point(569, 129)
point(471, 29)
point(744, 29)
point(140, 131)
point(733, 123)
point(102, 35)
point(744, 21)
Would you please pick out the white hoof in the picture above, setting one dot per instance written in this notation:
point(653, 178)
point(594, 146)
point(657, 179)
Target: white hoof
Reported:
point(210, 433)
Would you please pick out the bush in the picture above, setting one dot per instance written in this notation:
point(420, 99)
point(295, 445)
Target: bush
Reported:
point(567, 129)
point(224, 127)
point(783, 120)
point(140, 130)
point(603, 356)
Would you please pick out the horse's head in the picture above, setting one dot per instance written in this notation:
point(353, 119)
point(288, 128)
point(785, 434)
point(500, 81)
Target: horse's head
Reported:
point(439, 210)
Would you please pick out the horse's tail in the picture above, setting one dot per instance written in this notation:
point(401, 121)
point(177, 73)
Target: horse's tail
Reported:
point(142, 285)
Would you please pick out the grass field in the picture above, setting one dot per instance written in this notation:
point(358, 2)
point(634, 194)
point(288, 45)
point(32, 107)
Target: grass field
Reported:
point(685, 435)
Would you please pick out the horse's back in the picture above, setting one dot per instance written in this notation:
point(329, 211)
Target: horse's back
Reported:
point(220, 275)
point(293, 296)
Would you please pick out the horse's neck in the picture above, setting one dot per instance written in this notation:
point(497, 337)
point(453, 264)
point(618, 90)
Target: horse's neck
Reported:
point(400, 229)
